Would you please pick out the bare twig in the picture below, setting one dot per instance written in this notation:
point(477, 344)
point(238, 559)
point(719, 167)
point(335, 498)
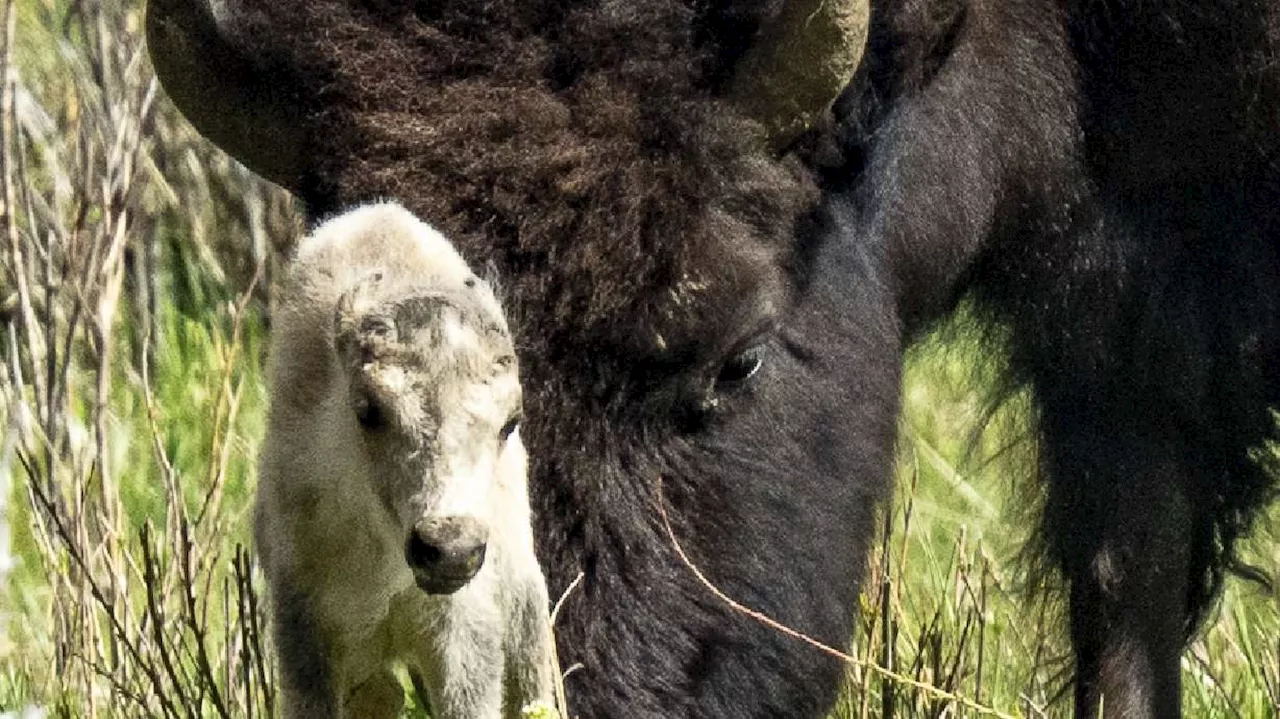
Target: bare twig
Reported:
point(227, 402)
point(196, 623)
point(62, 531)
point(562, 702)
point(251, 613)
point(26, 310)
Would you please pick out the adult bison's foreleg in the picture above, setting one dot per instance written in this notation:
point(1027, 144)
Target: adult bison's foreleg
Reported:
point(1121, 527)
point(1152, 391)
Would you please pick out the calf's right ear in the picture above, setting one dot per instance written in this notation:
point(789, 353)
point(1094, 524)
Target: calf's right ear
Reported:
point(345, 340)
point(359, 334)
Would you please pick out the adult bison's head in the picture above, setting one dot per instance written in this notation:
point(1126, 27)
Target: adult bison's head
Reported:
point(685, 305)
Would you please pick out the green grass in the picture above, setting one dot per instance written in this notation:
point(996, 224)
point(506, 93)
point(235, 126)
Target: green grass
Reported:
point(959, 603)
point(171, 465)
point(94, 623)
point(956, 601)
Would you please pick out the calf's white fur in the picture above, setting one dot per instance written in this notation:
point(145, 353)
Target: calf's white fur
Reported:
point(394, 397)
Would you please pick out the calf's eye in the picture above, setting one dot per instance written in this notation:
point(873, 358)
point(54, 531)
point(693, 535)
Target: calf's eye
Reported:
point(509, 428)
point(740, 367)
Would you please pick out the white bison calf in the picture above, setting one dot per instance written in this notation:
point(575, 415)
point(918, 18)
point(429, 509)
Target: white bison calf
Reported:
point(392, 516)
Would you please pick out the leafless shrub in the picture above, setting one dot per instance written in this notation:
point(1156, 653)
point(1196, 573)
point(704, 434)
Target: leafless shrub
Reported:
point(111, 208)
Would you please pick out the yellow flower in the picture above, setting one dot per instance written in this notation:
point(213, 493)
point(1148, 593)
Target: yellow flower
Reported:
point(539, 710)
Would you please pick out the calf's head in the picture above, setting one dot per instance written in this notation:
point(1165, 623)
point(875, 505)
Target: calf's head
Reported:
point(434, 400)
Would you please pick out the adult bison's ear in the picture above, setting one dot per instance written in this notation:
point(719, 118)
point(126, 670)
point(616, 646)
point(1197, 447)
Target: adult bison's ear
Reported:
point(245, 109)
point(797, 67)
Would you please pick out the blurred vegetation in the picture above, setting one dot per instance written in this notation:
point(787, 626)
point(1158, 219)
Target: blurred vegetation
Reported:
point(134, 262)
point(132, 298)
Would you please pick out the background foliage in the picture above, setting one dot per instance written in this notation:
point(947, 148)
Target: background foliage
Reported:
point(134, 262)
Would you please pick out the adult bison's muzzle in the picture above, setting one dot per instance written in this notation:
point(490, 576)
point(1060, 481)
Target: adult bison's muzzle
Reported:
point(445, 553)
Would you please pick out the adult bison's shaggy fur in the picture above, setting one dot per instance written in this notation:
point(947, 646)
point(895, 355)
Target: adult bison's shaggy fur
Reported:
point(694, 304)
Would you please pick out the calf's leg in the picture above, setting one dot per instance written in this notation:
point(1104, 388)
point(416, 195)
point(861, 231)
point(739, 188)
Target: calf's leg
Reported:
point(529, 656)
point(307, 686)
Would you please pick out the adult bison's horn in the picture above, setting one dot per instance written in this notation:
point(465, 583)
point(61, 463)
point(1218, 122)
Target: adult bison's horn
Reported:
point(248, 112)
point(800, 63)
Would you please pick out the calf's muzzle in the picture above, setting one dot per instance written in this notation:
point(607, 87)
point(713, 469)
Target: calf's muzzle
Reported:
point(445, 552)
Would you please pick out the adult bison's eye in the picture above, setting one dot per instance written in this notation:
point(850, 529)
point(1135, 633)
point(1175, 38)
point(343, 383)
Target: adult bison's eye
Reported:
point(741, 367)
point(509, 428)
point(370, 415)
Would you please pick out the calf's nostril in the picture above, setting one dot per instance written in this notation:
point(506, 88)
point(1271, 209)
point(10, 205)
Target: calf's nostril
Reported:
point(420, 553)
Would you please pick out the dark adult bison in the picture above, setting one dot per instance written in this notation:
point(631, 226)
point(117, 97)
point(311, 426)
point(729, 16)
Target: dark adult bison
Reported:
point(714, 275)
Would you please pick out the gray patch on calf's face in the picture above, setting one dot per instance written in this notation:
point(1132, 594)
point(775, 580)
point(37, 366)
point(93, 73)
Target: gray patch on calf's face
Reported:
point(436, 368)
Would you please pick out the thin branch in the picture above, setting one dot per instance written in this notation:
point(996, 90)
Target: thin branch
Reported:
point(157, 616)
point(157, 685)
point(227, 397)
point(249, 602)
point(196, 624)
point(7, 217)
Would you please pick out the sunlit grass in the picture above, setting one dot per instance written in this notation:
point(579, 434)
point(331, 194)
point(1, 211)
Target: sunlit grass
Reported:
point(963, 612)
